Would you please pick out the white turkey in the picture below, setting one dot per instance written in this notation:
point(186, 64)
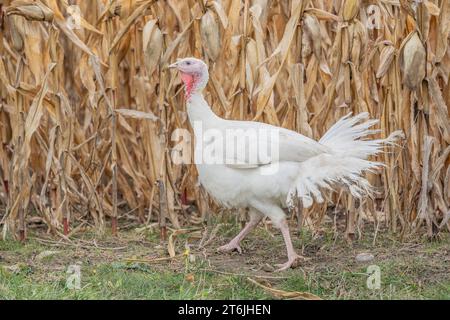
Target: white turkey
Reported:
point(290, 164)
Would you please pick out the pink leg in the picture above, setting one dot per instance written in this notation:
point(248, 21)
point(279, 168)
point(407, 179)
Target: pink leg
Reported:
point(292, 255)
point(255, 218)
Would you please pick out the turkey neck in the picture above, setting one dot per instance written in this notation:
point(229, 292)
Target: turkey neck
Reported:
point(201, 118)
point(199, 110)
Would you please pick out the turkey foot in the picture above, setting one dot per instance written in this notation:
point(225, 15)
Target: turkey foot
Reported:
point(293, 262)
point(230, 247)
point(292, 255)
point(255, 218)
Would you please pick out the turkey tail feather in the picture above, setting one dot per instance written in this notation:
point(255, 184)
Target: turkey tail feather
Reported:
point(347, 162)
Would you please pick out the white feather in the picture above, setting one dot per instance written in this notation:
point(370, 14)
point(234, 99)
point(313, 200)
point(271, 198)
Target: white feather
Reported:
point(304, 167)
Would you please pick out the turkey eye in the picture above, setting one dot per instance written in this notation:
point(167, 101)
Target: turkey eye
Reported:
point(188, 63)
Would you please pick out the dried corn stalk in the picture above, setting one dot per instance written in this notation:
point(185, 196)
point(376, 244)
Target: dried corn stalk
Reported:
point(88, 107)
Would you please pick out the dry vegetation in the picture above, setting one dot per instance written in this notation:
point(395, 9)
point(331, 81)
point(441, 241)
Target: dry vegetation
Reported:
point(87, 113)
point(135, 266)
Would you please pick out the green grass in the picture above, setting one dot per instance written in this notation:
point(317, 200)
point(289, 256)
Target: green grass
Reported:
point(419, 271)
point(138, 281)
point(338, 284)
point(121, 281)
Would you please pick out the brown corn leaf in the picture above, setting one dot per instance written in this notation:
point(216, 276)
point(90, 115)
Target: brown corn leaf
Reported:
point(281, 294)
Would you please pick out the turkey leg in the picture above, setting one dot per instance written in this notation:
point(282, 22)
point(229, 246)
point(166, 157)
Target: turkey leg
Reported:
point(292, 255)
point(255, 218)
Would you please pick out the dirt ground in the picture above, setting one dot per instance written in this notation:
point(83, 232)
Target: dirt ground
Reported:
point(408, 270)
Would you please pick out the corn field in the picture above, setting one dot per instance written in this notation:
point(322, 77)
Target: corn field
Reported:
point(88, 106)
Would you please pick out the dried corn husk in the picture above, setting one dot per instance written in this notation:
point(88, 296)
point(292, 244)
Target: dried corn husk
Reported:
point(413, 61)
point(386, 58)
point(152, 41)
point(30, 10)
point(351, 9)
point(210, 35)
point(312, 31)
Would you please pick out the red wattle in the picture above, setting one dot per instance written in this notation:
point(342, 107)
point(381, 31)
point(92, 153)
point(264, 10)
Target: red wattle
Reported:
point(188, 80)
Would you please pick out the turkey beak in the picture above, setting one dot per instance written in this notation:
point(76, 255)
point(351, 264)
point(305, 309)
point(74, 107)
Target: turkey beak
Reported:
point(174, 65)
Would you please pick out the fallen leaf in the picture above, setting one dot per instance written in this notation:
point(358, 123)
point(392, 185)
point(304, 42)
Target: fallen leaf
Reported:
point(291, 295)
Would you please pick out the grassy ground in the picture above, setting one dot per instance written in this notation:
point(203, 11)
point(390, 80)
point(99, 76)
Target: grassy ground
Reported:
point(111, 268)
